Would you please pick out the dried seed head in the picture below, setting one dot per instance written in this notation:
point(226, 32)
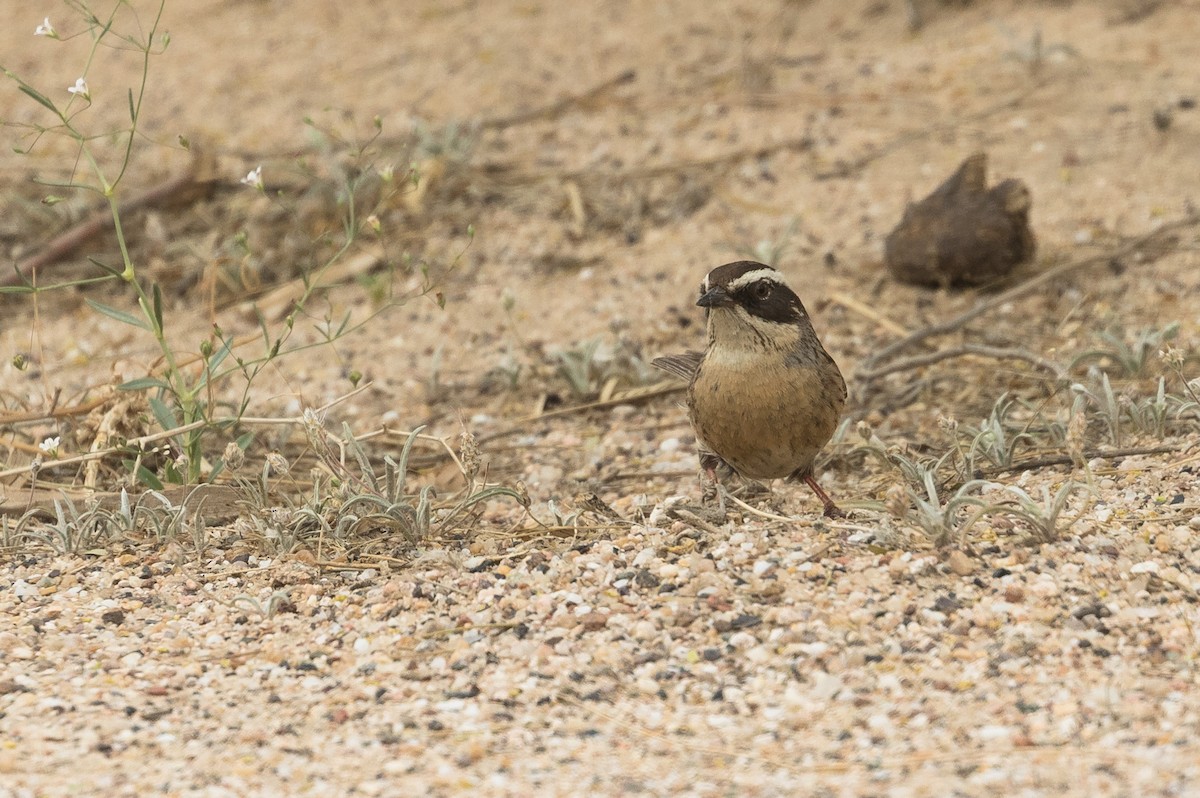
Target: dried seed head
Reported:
point(1077, 430)
point(233, 456)
point(948, 424)
point(314, 427)
point(468, 453)
point(277, 463)
point(1172, 357)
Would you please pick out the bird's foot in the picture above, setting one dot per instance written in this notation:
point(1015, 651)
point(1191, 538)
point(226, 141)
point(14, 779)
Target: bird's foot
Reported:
point(831, 509)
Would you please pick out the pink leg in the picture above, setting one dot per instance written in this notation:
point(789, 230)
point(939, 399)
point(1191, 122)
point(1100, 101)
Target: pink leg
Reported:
point(831, 509)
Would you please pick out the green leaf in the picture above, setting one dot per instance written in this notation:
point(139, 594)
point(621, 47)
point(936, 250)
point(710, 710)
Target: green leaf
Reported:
point(132, 110)
point(119, 315)
point(163, 414)
point(158, 316)
point(109, 269)
point(220, 354)
point(147, 478)
point(142, 384)
point(38, 96)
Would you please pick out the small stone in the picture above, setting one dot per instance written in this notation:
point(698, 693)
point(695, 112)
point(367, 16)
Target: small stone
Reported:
point(745, 621)
point(742, 640)
point(1144, 567)
point(644, 558)
point(594, 621)
point(1044, 588)
point(644, 578)
point(114, 617)
point(960, 563)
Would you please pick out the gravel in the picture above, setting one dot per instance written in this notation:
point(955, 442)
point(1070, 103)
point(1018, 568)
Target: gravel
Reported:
point(661, 661)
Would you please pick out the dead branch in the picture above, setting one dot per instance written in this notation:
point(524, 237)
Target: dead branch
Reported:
point(1066, 459)
point(559, 107)
point(12, 419)
point(998, 352)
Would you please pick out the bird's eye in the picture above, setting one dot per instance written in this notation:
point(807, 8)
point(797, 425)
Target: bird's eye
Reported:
point(762, 290)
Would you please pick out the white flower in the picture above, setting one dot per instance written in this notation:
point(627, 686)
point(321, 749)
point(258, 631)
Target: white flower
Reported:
point(46, 29)
point(81, 88)
point(254, 178)
point(50, 446)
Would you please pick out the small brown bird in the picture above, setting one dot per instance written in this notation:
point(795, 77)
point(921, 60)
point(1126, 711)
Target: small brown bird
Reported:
point(963, 233)
point(765, 396)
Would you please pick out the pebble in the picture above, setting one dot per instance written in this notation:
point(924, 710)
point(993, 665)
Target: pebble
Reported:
point(960, 563)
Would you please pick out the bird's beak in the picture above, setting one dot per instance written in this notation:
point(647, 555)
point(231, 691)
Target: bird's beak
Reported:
point(716, 297)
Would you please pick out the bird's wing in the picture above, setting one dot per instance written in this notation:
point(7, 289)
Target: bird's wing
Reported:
point(682, 365)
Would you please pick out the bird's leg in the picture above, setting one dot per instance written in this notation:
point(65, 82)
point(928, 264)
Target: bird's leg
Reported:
point(831, 509)
point(710, 486)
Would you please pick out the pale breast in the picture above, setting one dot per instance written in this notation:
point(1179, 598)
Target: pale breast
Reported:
point(766, 422)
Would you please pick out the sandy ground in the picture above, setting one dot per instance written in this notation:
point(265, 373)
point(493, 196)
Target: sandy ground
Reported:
point(652, 657)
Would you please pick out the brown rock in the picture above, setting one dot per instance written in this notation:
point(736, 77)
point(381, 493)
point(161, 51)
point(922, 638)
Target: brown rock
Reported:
point(960, 563)
point(963, 233)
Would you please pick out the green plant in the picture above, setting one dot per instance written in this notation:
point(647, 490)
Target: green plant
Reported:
point(183, 393)
point(1190, 406)
point(1041, 515)
point(1108, 405)
point(590, 367)
point(913, 470)
point(354, 498)
point(75, 530)
point(942, 522)
point(275, 602)
point(1150, 414)
point(993, 439)
point(1130, 353)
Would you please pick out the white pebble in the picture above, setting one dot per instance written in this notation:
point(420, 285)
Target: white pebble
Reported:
point(742, 640)
point(643, 558)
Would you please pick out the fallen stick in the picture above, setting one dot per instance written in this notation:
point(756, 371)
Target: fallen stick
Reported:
point(998, 352)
